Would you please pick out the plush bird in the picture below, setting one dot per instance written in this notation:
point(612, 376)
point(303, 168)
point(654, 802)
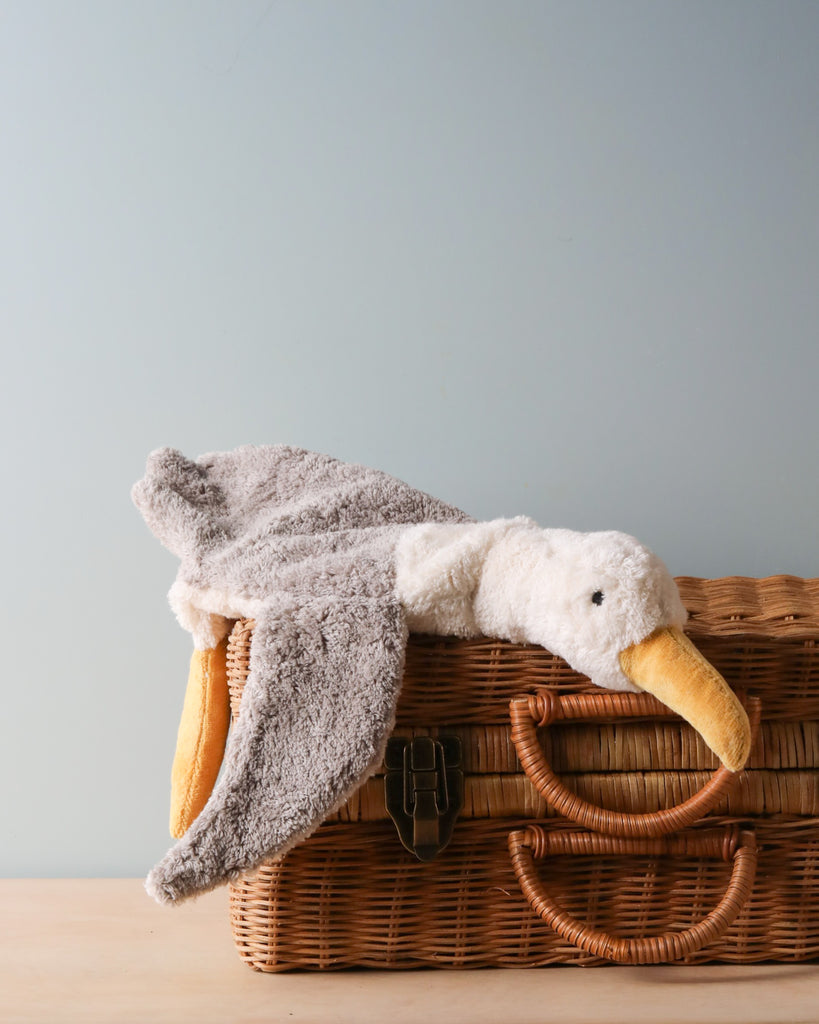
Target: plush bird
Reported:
point(337, 563)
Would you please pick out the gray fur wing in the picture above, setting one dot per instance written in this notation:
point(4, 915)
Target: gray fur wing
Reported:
point(310, 541)
point(315, 716)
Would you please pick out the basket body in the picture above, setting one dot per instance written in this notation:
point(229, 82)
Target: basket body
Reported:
point(351, 895)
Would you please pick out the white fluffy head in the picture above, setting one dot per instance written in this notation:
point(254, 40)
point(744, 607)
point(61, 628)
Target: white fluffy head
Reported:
point(584, 596)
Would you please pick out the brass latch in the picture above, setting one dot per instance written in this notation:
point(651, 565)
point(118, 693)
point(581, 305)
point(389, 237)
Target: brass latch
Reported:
point(424, 790)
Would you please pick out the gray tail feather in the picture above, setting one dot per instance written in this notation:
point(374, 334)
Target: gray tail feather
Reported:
point(183, 508)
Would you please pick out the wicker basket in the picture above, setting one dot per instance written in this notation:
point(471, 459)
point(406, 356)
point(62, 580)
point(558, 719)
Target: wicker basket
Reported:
point(664, 859)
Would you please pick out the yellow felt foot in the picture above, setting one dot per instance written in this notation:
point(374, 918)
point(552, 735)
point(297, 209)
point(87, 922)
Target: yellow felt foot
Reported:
point(203, 731)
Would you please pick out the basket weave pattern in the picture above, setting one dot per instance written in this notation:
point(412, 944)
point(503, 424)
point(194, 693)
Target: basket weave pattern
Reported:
point(352, 896)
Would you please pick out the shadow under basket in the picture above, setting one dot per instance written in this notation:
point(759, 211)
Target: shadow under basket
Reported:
point(685, 863)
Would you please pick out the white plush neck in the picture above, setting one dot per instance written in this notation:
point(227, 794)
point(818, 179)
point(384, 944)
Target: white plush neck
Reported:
point(440, 569)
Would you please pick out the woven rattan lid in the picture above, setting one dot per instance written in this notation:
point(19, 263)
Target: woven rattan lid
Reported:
point(774, 607)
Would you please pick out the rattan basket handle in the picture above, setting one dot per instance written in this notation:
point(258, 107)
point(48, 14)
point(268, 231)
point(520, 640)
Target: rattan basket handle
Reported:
point(534, 842)
point(531, 712)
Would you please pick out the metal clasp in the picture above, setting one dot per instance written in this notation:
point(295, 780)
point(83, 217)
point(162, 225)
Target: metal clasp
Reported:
point(424, 790)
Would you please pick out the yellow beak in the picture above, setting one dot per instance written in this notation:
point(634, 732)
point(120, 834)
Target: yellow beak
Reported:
point(669, 666)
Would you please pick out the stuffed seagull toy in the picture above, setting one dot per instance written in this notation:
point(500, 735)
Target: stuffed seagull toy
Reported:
point(337, 563)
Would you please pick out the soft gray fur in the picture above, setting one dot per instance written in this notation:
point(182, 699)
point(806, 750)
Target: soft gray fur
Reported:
point(313, 539)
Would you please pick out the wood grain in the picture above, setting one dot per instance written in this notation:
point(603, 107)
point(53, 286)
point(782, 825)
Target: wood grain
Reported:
point(101, 952)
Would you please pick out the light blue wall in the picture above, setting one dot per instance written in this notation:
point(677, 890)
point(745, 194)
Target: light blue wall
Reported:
point(548, 258)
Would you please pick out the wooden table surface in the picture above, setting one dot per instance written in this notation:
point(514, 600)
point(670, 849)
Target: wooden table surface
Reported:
point(100, 950)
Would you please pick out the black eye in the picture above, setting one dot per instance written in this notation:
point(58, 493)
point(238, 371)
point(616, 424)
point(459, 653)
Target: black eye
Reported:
point(597, 597)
